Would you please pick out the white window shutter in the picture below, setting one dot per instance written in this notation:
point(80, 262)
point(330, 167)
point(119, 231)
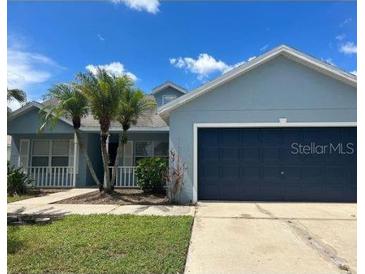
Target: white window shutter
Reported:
point(24, 147)
point(71, 156)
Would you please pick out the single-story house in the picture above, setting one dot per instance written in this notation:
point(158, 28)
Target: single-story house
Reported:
point(281, 127)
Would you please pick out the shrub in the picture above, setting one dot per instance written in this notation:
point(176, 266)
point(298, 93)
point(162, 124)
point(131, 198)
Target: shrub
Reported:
point(17, 181)
point(151, 174)
point(175, 176)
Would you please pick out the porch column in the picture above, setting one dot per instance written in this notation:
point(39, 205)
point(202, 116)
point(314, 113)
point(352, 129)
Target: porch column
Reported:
point(75, 161)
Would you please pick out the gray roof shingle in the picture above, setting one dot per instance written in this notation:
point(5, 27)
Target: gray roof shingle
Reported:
point(149, 120)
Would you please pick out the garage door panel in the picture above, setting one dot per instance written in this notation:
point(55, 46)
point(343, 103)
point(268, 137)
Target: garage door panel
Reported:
point(289, 158)
point(209, 153)
point(251, 174)
point(229, 154)
point(251, 137)
point(209, 171)
point(250, 155)
point(209, 137)
point(230, 137)
point(271, 137)
point(270, 154)
point(271, 174)
point(292, 173)
point(259, 164)
point(230, 173)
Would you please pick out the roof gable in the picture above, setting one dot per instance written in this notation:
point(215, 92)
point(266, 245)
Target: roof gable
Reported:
point(167, 85)
point(28, 107)
point(283, 50)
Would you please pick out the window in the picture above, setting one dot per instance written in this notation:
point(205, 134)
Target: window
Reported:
point(168, 98)
point(50, 152)
point(60, 150)
point(161, 149)
point(145, 149)
point(40, 153)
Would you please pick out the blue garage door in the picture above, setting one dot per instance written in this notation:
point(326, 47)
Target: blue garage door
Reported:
point(277, 164)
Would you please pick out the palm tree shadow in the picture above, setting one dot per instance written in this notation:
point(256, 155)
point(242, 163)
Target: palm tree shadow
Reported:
point(14, 243)
point(19, 218)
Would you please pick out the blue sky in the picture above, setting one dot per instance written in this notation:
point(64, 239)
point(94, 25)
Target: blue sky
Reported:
point(186, 42)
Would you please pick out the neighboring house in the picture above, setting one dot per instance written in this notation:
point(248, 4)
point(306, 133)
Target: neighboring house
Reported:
point(270, 129)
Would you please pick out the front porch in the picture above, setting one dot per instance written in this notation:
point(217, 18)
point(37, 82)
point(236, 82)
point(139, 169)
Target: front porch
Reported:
point(54, 160)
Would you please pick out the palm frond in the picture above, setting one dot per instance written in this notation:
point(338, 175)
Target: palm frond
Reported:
point(16, 94)
point(66, 101)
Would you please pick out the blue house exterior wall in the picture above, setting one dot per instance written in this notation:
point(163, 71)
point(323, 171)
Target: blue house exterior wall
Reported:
point(281, 88)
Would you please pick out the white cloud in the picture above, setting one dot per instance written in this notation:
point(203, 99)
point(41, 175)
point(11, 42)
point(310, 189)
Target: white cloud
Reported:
point(26, 68)
point(348, 48)
point(345, 22)
point(150, 6)
point(354, 72)
point(264, 47)
point(204, 65)
point(329, 61)
point(101, 38)
point(115, 68)
point(251, 58)
point(340, 37)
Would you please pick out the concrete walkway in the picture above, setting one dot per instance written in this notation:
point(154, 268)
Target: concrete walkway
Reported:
point(45, 206)
point(273, 238)
point(54, 197)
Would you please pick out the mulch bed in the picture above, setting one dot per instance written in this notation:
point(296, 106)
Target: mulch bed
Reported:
point(119, 197)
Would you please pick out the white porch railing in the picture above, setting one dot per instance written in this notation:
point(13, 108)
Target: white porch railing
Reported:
point(56, 176)
point(125, 176)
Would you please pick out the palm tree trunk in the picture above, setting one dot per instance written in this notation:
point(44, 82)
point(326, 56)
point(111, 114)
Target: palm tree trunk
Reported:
point(123, 138)
point(87, 159)
point(105, 157)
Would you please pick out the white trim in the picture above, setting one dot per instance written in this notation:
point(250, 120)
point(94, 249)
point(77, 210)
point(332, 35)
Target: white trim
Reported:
point(196, 126)
point(168, 84)
point(297, 56)
point(277, 124)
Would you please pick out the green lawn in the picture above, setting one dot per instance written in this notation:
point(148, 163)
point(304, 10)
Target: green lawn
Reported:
point(20, 197)
point(101, 243)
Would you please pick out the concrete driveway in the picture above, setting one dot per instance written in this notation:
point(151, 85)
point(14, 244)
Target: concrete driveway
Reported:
point(273, 238)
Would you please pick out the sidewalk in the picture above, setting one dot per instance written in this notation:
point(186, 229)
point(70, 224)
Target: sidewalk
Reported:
point(44, 206)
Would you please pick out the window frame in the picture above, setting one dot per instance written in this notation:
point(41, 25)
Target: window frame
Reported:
point(153, 150)
point(50, 151)
point(166, 96)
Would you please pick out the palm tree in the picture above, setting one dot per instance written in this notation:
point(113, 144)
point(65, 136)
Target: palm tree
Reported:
point(103, 92)
point(133, 104)
point(68, 101)
point(16, 94)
